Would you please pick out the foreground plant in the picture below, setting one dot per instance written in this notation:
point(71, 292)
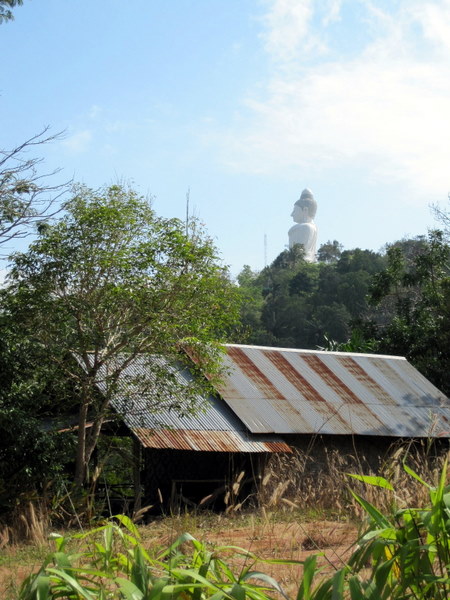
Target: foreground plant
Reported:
point(113, 564)
point(399, 556)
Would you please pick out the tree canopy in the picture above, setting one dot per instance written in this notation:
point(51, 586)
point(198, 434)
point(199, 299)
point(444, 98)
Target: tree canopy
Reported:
point(110, 281)
point(293, 303)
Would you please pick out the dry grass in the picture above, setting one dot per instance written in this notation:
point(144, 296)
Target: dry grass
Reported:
point(318, 479)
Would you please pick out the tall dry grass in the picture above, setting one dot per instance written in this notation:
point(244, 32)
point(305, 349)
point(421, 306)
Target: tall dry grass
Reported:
point(317, 478)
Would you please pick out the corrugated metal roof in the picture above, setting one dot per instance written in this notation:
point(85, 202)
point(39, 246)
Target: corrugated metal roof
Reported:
point(212, 441)
point(286, 391)
point(146, 410)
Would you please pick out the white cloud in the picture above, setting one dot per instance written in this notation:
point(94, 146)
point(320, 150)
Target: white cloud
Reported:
point(384, 106)
point(78, 142)
point(287, 29)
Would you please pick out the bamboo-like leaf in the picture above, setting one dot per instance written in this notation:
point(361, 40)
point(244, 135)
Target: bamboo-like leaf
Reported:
point(273, 583)
point(371, 480)
point(43, 588)
point(373, 512)
point(128, 589)
point(237, 592)
point(309, 571)
point(128, 523)
point(415, 476)
point(156, 590)
point(72, 583)
point(338, 584)
point(356, 589)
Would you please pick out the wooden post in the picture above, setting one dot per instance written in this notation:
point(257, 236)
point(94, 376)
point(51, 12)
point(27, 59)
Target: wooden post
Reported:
point(137, 462)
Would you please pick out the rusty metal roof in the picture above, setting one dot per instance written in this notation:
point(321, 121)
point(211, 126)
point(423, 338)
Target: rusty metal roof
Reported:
point(146, 410)
point(209, 441)
point(288, 391)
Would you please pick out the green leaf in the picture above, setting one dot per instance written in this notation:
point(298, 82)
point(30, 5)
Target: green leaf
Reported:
point(128, 523)
point(373, 512)
point(371, 480)
point(273, 583)
point(128, 589)
point(72, 583)
point(309, 571)
point(414, 474)
point(338, 585)
point(43, 588)
point(237, 592)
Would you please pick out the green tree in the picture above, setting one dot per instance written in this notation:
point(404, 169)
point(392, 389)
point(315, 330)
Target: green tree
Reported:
point(5, 9)
point(32, 452)
point(110, 282)
point(293, 303)
point(330, 252)
point(413, 300)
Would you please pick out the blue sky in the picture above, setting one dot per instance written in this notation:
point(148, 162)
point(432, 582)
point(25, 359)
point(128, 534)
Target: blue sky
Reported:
point(245, 102)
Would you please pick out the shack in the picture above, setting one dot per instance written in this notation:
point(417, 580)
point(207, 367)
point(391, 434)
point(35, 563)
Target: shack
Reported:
point(270, 400)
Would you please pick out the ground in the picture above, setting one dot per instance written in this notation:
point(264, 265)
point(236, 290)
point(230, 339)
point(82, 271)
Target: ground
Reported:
point(270, 536)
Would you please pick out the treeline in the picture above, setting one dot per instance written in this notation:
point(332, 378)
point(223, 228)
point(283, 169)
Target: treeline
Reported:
point(392, 302)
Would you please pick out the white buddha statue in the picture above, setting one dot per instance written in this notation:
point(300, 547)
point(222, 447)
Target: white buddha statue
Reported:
point(305, 231)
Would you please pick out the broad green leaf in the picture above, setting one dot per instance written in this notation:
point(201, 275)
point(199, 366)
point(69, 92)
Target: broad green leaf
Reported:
point(338, 585)
point(371, 480)
point(72, 583)
point(309, 571)
point(266, 578)
point(128, 523)
point(128, 589)
point(43, 588)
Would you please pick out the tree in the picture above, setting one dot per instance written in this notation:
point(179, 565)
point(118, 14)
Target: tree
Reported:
point(32, 452)
point(27, 198)
point(111, 282)
point(413, 298)
point(5, 6)
point(330, 252)
point(443, 216)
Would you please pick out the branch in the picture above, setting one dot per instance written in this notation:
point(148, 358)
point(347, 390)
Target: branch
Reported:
point(26, 197)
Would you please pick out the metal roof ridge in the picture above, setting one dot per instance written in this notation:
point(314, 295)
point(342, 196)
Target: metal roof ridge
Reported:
point(308, 351)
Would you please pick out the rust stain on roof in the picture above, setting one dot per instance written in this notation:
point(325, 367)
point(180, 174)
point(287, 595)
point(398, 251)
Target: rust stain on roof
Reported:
point(410, 392)
point(261, 381)
point(206, 441)
point(300, 383)
point(358, 373)
point(338, 386)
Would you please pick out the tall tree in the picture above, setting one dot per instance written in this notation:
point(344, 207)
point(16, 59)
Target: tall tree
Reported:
point(111, 282)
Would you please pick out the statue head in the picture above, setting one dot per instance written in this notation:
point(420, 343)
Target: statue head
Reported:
point(307, 201)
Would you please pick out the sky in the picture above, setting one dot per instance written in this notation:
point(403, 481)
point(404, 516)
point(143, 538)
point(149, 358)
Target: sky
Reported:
point(244, 103)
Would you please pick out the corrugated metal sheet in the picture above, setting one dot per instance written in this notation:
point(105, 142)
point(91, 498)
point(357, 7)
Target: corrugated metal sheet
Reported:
point(146, 411)
point(210, 441)
point(286, 391)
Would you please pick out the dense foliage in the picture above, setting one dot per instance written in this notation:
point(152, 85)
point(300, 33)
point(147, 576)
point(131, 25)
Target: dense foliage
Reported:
point(413, 298)
point(293, 303)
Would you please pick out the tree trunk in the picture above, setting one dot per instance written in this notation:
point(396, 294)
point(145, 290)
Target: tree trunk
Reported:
point(80, 459)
